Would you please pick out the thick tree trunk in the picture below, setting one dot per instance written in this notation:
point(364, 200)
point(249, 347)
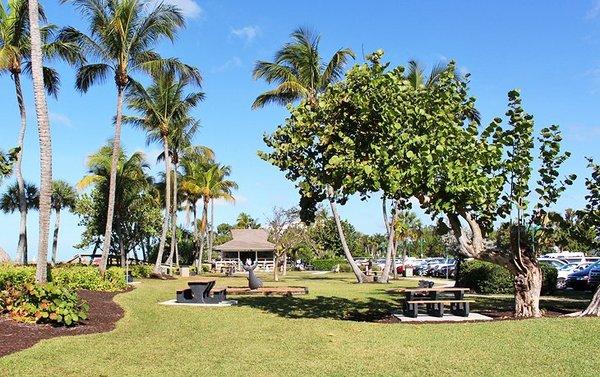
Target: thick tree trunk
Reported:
point(22, 256)
point(55, 237)
point(113, 181)
point(45, 140)
point(385, 274)
point(593, 309)
point(394, 252)
point(520, 260)
point(165, 227)
point(360, 276)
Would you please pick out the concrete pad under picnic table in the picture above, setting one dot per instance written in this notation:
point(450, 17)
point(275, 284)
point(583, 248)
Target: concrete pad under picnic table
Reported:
point(221, 304)
point(424, 318)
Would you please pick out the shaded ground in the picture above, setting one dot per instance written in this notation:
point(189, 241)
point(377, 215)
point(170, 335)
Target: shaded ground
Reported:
point(104, 313)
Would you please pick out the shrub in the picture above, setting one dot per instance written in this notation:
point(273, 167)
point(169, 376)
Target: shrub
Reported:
point(88, 277)
point(141, 270)
point(43, 303)
point(487, 278)
point(329, 264)
point(550, 276)
point(16, 275)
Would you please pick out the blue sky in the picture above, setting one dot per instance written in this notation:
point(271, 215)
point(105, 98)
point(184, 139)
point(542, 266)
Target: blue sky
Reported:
point(548, 49)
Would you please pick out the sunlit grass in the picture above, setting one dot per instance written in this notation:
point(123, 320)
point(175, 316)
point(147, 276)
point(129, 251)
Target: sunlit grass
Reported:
point(317, 334)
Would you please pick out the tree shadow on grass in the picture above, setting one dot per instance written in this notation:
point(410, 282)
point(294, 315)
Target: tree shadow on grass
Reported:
point(562, 303)
point(369, 310)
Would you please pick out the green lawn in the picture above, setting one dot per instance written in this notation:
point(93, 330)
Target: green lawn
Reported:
point(318, 334)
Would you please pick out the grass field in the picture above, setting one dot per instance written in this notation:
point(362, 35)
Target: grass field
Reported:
point(318, 334)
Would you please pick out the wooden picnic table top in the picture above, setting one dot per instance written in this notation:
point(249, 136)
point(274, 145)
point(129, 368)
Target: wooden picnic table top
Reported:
point(438, 289)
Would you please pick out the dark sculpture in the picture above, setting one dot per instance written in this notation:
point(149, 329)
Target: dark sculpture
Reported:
point(253, 281)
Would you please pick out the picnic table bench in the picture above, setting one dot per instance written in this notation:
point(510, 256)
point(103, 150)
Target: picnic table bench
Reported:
point(202, 292)
point(434, 299)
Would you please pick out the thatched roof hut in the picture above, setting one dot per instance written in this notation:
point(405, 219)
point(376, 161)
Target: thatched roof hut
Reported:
point(248, 244)
point(4, 258)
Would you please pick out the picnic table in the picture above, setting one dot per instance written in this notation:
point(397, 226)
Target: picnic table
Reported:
point(435, 299)
point(201, 292)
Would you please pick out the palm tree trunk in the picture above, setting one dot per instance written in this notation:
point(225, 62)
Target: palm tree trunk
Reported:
point(210, 233)
point(385, 276)
point(55, 237)
point(165, 227)
point(174, 219)
point(45, 139)
point(113, 181)
point(203, 232)
point(360, 276)
point(22, 245)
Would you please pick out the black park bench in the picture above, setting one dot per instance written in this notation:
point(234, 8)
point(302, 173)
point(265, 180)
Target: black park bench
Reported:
point(201, 292)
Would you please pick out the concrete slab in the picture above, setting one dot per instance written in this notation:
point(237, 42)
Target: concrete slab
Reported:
point(424, 318)
point(221, 304)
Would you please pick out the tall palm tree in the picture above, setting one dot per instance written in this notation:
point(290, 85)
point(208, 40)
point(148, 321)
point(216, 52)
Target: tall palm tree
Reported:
point(64, 196)
point(298, 70)
point(245, 221)
point(45, 140)
point(15, 57)
point(132, 182)
point(123, 36)
point(163, 112)
point(208, 181)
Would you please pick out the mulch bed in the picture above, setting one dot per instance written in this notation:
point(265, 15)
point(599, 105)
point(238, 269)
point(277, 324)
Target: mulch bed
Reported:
point(103, 315)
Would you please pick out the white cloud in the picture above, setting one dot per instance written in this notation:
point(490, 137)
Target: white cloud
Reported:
point(594, 11)
point(189, 8)
point(247, 33)
point(229, 64)
point(61, 119)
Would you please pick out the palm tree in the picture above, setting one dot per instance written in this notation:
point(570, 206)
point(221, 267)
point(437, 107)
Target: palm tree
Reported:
point(123, 36)
point(132, 184)
point(245, 221)
point(163, 112)
point(15, 57)
point(299, 71)
point(208, 181)
point(10, 200)
point(64, 196)
point(45, 140)
point(418, 79)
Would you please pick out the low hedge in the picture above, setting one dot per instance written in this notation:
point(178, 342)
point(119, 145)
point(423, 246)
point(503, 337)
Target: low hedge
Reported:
point(329, 264)
point(489, 278)
point(69, 276)
point(141, 270)
point(46, 303)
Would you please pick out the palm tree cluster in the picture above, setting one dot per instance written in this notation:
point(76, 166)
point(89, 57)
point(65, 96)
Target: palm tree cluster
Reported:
point(120, 41)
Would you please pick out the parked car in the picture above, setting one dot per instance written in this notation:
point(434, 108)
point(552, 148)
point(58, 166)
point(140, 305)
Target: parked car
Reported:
point(554, 262)
point(594, 277)
point(564, 272)
point(579, 280)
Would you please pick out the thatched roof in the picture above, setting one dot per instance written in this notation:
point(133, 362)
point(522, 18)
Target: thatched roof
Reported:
point(4, 256)
point(247, 240)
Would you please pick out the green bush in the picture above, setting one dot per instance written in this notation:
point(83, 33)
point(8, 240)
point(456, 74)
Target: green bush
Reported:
point(47, 303)
point(141, 270)
point(329, 264)
point(88, 277)
point(488, 278)
point(16, 275)
point(550, 276)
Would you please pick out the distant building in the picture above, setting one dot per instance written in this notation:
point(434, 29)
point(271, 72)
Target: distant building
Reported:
point(248, 244)
point(4, 258)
